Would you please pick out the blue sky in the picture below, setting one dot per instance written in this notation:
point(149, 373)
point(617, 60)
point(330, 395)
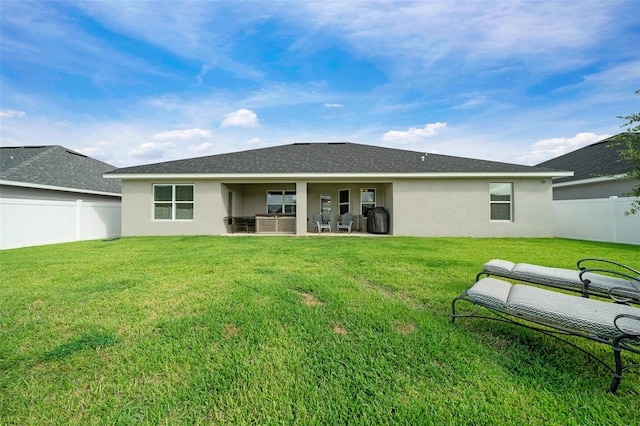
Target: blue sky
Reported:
point(138, 82)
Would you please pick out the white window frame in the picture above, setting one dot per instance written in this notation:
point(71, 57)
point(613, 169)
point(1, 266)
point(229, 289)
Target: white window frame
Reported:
point(347, 203)
point(362, 203)
point(284, 193)
point(496, 202)
point(174, 203)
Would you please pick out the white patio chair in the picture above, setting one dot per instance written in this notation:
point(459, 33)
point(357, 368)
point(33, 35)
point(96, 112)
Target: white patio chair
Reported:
point(320, 225)
point(346, 222)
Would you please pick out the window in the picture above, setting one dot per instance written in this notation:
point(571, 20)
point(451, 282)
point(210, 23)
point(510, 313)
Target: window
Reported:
point(501, 201)
point(367, 200)
point(281, 202)
point(343, 201)
point(173, 202)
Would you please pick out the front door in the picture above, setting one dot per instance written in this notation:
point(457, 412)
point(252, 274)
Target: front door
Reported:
point(325, 207)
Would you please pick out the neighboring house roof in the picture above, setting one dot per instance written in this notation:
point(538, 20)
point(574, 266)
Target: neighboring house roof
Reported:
point(328, 159)
point(595, 161)
point(55, 167)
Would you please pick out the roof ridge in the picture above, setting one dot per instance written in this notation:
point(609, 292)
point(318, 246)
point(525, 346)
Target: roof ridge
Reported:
point(606, 140)
point(611, 141)
point(28, 162)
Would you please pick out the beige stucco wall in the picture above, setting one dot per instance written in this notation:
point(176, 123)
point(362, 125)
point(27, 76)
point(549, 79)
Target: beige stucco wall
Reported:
point(137, 210)
point(431, 207)
point(461, 208)
point(602, 189)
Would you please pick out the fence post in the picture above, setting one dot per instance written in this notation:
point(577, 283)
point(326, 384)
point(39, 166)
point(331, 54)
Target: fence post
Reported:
point(613, 215)
point(78, 220)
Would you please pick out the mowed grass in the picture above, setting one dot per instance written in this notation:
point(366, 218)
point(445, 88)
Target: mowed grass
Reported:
point(285, 330)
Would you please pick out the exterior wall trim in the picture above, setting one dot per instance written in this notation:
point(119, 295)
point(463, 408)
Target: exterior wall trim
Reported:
point(590, 180)
point(57, 188)
point(332, 176)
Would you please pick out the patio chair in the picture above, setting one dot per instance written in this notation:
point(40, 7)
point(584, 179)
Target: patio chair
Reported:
point(558, 315)
point(244, 223)
point(320, 224)
point(346, 222)
point(594, 277)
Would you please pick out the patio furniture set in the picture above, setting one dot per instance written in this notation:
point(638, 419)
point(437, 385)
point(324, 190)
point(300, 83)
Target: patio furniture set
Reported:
point(604, 306)
point(286, 223)
point(324, 223)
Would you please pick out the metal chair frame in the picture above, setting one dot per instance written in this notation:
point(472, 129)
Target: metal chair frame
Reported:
point(623, 341)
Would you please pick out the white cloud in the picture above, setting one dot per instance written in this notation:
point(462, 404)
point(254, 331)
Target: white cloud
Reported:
point(183, 28)
point(202, 148)
point(255, 143)
point(415, 36)
point(241, 118)
point(414, 134)
point(11, 113)
point(92, 151)
point(150, 150)
point(554, 147)
point(182, 134)
point(333, 105)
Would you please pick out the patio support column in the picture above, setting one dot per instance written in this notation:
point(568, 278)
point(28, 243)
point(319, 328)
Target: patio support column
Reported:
point(301, 207)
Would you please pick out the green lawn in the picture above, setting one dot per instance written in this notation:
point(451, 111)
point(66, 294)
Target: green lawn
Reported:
point(286, 330)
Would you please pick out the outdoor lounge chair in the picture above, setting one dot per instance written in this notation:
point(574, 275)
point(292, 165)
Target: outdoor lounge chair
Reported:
point(558, 314)
point(594, 277)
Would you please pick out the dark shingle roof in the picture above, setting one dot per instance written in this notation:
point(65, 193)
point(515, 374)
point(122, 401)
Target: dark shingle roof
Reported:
point(55, 166)
point(342, 158)
point(598, 159)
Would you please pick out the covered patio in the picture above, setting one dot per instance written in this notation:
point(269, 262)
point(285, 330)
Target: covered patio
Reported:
point(287, 207)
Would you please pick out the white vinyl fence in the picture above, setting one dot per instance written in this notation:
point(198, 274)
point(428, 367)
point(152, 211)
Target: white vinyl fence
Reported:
point(25, 223)
point(597, 220)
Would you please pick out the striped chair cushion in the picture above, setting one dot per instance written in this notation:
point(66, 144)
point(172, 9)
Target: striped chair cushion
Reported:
point(567, 278)
point(573, 312)
point(491, 292)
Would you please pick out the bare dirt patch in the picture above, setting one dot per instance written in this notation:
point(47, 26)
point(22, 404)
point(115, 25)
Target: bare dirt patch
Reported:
point(338, 329)
point(231, 330)
point(310, 299)
point(404, 328)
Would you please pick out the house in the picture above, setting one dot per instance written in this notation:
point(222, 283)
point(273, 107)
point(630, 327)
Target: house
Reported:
point(593, 203)
point(282, 186)
point(54, 172)
point(598, 172)
point(51, 194)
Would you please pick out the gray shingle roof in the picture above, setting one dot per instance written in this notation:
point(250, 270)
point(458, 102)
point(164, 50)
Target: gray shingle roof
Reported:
point(55, 166)
point(341, 158)
point(598, 159)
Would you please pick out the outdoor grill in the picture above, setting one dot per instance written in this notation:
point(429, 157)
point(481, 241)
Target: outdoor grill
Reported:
point(378, 221)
